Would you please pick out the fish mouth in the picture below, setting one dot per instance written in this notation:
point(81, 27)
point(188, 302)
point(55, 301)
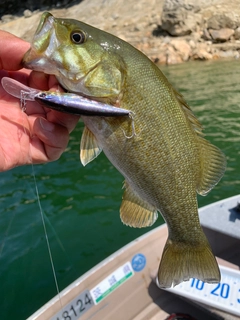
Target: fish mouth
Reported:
point(44, 42)
point(40, 57)
point(48, 54)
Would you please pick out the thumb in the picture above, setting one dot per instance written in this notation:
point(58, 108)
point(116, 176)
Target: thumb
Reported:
point(12, 50)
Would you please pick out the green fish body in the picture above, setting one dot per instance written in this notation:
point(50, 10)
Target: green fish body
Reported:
point(159, 149)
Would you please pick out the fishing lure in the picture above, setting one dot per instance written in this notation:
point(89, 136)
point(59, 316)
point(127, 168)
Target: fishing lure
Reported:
point(61, 101)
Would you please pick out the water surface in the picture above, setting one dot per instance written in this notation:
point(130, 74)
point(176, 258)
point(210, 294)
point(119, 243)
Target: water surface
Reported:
point(81, 205)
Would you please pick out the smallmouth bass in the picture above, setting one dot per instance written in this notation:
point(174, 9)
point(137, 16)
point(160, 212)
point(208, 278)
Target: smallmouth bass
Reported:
point(160, 150)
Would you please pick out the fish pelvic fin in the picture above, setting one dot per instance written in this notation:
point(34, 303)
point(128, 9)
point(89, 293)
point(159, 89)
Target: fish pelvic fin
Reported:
point(182, 261)
point(212, 166)
point(134, 211)
point(89, 148)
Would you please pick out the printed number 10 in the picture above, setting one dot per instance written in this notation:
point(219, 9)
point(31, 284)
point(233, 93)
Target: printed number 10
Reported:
point(198, 284)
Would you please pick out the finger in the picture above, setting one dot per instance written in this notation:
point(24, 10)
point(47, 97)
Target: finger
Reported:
point(54, 140)
point(43, 81)
point(66, 120)
point(69, 121)
point(12, 50)
point(39, 80)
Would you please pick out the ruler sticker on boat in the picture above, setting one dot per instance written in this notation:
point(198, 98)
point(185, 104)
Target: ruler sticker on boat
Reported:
point(112, 282)
point(76, 308)
point(224, 296)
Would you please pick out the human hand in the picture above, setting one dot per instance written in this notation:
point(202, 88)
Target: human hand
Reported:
point(39, 134)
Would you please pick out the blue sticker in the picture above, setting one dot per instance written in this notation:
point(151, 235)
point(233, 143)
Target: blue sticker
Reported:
point(138, 262)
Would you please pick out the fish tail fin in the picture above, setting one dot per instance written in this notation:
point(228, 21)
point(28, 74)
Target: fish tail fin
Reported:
point(182, 261)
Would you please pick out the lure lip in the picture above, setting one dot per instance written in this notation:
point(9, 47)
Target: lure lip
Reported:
point(18, 90)
point(61, 101)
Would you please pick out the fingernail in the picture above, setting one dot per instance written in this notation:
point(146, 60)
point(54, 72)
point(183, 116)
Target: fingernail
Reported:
point(46, 125)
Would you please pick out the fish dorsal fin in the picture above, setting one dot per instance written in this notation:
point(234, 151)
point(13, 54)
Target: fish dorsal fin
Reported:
point(89, 148)
point(136, 212)
point(196, 125)
point(212, 160)
point(212, 164)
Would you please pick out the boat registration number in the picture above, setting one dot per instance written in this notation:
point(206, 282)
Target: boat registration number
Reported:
point(224, 296)
point(76, 308)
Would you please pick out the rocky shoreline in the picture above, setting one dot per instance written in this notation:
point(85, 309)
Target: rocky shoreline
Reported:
point(168, 32)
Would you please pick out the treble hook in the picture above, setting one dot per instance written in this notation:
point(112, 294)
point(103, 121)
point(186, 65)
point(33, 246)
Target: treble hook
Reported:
point(134, 134)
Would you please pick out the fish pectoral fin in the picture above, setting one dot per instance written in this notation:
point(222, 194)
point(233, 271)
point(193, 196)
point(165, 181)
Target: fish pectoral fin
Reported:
point(136, 212)
point(212, 166)
point(182, 261)
point(89, 148)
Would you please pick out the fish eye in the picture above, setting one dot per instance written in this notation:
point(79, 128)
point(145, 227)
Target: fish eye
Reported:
point(78, 37)
point(42, 95)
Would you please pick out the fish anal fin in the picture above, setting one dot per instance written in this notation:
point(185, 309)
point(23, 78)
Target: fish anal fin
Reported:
point(182, 261)
point(89, 148)
point(212, 166)
point(136, 212)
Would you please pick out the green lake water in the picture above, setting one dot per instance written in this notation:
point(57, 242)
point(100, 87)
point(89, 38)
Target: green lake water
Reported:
point(81, 205)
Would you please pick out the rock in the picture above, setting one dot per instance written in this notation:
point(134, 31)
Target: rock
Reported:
point(172, 57)
point(237, 33)
point(27, 13)
point(228, 54)
point(161, 58)
point(7, 18)
point(192, 44)
point(182, 47)
point(176, 18)
point(222, 34)
point(202, 52)
point(181, 17)
point(226, 46)
point(224, 20)
point(237, 55)
point(206, 35)
point(196, 36)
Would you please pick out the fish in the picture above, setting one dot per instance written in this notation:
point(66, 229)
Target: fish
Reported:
point(160, 150)
point(61, 101)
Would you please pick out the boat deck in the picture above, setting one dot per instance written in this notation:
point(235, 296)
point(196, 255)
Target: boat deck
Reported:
point(138, 297)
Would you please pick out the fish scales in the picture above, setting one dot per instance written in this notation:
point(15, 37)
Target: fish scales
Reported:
point(159, 148)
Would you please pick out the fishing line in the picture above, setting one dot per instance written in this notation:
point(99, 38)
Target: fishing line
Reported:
point(6, 233)
point(23, 107)
point(46, 236)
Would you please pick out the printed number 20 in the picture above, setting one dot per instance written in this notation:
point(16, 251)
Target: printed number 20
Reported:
point(221, 289)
